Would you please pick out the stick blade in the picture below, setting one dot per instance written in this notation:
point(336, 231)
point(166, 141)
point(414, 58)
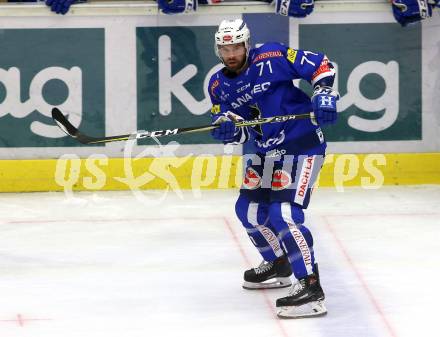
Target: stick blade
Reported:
point(63, 123)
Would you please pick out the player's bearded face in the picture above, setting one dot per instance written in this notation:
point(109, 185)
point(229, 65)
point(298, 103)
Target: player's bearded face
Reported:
point(233, 55)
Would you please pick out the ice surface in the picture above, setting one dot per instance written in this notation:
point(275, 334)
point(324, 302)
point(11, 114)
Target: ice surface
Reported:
point(118, 264)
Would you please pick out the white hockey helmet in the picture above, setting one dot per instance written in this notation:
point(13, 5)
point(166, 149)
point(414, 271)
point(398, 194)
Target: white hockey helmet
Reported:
point(232, 32)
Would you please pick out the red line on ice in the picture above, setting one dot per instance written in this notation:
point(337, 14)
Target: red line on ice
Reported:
point(370, 295)
point(248, 263)
point(20, 320)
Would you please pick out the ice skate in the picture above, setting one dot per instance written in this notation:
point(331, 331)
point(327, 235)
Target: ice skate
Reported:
point(269, 275)
point(305, 299)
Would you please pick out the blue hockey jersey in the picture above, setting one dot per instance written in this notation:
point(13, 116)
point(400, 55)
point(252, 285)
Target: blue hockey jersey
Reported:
point(266, 89)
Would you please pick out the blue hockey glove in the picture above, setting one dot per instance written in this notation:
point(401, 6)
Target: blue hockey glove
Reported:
point(409, 11)
point(296, 8)
point(226, 130)
point(177, 6)
point(324, 106)
point(61, 6)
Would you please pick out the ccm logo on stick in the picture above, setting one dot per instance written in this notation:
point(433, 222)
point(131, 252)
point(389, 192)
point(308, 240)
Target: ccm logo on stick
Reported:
point(158, 133)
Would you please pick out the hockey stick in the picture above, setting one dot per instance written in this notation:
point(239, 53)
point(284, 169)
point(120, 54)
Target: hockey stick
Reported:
point(72, 131)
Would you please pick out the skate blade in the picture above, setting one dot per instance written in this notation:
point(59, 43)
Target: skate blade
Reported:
point(280, 282)
point(312, 309)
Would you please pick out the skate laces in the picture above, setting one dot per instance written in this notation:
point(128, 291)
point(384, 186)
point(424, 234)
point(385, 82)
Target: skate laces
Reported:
point(263, 267)
point(296, 288)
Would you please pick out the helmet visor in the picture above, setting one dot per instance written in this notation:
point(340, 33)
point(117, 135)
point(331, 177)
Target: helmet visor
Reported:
point(230, 50)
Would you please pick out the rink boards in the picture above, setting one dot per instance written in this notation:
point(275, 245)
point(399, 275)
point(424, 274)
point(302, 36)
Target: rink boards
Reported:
point(370, 171)
point(119, 72)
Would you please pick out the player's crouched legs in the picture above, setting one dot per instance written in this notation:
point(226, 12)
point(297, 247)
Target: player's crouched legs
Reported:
point(306, 297)
point(274, 270)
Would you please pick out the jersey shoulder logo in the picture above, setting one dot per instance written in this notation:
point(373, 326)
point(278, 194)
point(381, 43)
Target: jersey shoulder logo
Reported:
point(214, 85)
point(267, 54)
point(215, 109)
point(291, 55)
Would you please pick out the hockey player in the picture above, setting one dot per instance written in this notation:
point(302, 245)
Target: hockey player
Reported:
point(409, 11)
point(280, 176)
point(62, 6)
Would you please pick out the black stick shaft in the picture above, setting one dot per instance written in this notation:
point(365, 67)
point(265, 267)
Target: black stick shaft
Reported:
point(72, 131)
